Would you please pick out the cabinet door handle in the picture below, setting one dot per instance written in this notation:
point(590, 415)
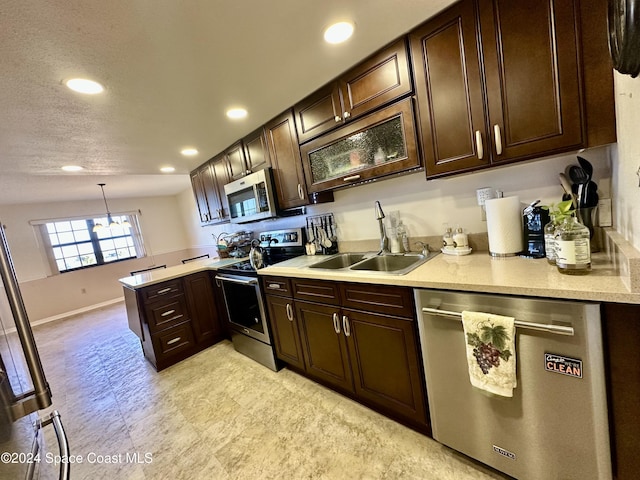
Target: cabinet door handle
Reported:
point(337, 118)
point(498, 139)
point(300, 192)
point(168, 312)
point(346, 115)
point(336, 323)
point(352, 178)
point(479, 144)
point(164, 290)
point(345, 326)
point(289, 312)
point(174, 340)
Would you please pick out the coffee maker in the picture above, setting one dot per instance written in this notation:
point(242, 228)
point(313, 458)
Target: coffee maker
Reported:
point(534, 218)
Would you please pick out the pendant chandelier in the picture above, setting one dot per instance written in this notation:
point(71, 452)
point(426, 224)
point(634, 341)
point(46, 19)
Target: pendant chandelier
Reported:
point(111, 223)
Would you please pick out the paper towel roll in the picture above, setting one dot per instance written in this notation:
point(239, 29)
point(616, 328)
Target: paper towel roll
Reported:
point(504, 226)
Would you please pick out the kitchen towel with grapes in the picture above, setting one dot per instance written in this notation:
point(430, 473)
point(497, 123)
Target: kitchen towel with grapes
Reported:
point(490, 342)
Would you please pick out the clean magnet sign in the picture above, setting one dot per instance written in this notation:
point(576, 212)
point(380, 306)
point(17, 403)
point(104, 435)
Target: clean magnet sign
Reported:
point(564, 365)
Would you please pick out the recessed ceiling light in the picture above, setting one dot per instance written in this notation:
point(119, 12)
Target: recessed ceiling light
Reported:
point(167, 169)
point(72, 168)
point(189, 152)
point(338, 32)
point(236, 113)
point(83, 85)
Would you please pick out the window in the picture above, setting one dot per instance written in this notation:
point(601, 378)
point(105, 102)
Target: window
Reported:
point(72, 244)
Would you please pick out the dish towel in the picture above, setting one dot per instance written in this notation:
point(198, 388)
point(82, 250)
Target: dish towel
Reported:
point(491, 348)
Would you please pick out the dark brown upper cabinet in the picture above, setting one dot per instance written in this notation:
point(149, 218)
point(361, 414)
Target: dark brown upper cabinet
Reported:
point(248, 155)
point(380, 79)
point(500, 81)
point(381, 143)
point(256, 150)
point(235, 159)
point(208, 182)
point(284, 153)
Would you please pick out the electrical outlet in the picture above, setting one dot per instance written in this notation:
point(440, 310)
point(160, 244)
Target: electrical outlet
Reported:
point(484, 194)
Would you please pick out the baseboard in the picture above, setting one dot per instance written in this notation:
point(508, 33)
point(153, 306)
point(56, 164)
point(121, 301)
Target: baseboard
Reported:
point(76, 312)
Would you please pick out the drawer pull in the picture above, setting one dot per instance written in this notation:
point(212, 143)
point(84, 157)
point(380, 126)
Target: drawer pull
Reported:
point(352, 178)
point(164, 290)
point(336, 323)
point(345, 326)
point(274, 286)
point(168, 312)
point(498, 139)
point(174, 340)
point(479, 144)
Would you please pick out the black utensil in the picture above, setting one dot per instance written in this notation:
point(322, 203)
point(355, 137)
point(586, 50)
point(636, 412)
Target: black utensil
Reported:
point(586, 166)
point(580, 178)
point(591, 196)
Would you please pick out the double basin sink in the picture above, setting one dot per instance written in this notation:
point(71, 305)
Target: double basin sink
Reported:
point(393, 264)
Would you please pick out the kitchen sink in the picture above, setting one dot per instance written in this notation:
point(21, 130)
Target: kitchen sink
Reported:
point(340, 260)
point(394, 264)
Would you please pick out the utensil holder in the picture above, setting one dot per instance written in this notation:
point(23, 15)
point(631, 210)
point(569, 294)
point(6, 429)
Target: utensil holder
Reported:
point(320, 230)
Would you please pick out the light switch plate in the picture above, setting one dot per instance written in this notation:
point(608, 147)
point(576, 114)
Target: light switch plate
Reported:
point(483, 194)
point(604, 213)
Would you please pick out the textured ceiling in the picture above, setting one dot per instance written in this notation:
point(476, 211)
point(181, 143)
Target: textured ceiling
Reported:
point(171, 68)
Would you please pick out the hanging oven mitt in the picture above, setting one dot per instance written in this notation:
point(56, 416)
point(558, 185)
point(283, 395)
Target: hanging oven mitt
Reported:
point(490, 345)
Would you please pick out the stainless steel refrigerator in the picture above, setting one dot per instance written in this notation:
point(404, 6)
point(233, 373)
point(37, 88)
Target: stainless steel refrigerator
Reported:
point(25, 397)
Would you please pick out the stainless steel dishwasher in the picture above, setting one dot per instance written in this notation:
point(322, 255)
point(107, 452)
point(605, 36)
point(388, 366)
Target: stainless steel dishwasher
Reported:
point(556, 425)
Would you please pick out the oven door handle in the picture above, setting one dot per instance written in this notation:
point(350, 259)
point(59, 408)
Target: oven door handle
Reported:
point(253, 281)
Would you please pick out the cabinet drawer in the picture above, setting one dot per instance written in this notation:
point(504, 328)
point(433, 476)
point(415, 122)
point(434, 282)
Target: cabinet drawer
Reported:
point(316, 291)
point(165, 314)
point(173, 340)
point(164, 289)
point(277, 286)
point(385, 299)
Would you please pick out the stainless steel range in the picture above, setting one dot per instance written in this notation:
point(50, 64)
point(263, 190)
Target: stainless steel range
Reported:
point(247, 314)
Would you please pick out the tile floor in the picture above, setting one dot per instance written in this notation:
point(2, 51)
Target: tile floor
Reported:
point(217, 415)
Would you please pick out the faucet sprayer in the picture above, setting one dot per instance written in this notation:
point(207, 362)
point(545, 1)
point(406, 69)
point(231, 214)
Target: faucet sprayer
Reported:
point(384, 241)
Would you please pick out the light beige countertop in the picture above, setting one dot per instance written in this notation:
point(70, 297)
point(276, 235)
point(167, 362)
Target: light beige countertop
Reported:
point(479, 272)
point(163, 274)
point(615, 274)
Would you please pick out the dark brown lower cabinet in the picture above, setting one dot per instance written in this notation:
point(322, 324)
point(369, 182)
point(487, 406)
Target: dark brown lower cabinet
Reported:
point(323, 344)
point(621, 325)
point(202, 306)
point(385, 362)
point(175, 319)
point(358, 339)
point(285, 330)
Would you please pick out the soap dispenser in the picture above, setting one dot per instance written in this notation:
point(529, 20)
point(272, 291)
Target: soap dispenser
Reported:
point(447, 239)
point(460, 240)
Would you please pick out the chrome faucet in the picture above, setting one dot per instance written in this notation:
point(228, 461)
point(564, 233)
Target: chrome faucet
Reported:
point(384, 241)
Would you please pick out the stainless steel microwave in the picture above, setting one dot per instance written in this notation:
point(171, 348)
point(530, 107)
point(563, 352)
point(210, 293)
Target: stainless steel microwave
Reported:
point(252, 197)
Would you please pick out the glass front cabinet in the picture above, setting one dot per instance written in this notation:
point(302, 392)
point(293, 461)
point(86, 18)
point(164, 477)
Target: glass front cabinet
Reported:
point(379, 144)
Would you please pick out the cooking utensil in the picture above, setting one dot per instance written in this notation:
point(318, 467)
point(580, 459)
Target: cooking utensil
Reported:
point(566, 185)
point(580, 178)
point(591, 195)
point(586, 166)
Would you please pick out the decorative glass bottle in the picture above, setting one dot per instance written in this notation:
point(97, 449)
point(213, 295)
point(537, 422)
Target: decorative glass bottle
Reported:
point(550, 240)
point(572, 247)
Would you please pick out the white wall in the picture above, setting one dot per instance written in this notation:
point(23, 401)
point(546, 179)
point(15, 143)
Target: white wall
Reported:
point(45, 296)
point(424, 205)
point(627, 158)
